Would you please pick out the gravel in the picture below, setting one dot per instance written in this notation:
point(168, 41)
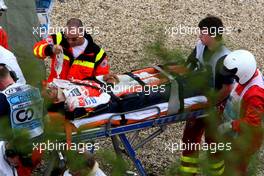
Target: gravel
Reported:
point(123, 28)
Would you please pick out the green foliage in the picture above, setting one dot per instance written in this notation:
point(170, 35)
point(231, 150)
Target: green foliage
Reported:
point(32, 68)
point(119, 165)
point(160, 52)
point(54, 129)
point(21, 141)
point(6, 132)
point(18, 140)
point(173, 169)
point(79, 162)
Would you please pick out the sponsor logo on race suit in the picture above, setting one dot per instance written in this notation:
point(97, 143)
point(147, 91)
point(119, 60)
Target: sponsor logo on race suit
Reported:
point(26, 109)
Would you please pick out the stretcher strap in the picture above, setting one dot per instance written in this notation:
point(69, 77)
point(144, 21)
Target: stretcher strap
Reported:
point(174, 100)
point(108, 90)
point(82, 83)
point(136, 78)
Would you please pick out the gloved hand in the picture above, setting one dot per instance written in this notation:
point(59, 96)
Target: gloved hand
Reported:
point(111, 78)
point(57, 49)
point(225, 127)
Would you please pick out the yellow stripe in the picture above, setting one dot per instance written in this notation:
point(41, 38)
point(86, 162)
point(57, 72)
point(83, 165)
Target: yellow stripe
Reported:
point(84, 63)
point(66, 58)
point(58, 38)
point(218, 173)
point(35, 51)
point(187, 159)
point(218, 164)
point(99, 55)
point(41, 50)
point(193, 170)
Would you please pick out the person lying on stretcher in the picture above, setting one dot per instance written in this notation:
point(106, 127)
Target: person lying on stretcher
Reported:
point(120, 93)
point(89, 94)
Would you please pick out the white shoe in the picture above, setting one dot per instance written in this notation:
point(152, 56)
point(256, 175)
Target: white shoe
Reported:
point(96, 171)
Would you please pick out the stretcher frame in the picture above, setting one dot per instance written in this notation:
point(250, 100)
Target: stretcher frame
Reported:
point(118, 134)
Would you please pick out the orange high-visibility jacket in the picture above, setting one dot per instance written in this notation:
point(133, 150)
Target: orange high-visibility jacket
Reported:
point(92, 62)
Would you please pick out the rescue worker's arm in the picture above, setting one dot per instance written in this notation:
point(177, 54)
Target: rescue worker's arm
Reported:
point(3, 38)
point(252, 117)
point(223, 93)
point(41, 49)
point(45, 48)
point(253, 113)
point(223, 83)
point(102, 66)
point(36, 158)
point(192, 61)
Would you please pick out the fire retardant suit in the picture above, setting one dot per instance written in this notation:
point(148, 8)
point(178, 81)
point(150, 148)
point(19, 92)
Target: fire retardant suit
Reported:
point(245, 109)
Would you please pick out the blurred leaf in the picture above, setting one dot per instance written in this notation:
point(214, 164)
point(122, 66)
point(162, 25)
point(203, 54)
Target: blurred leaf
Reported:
point(158, 51)
point(32, 67)
point(78, 162)
point(119, 165)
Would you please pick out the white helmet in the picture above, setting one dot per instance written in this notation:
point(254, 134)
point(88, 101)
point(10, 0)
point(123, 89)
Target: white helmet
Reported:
point(243, 63)
point(3, 6)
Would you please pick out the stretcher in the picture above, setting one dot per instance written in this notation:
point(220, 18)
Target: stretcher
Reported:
point(121, 132)
point(118, 125)
point(135, 116)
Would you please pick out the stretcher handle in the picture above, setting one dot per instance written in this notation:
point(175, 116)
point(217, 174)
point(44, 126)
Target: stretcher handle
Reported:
point(109, 124)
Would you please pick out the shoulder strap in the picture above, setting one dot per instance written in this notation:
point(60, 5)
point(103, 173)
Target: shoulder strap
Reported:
point(174, 100)
point(136, 78)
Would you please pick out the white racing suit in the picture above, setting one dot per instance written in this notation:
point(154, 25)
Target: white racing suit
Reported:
point(89, 94)
point(81, 94)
